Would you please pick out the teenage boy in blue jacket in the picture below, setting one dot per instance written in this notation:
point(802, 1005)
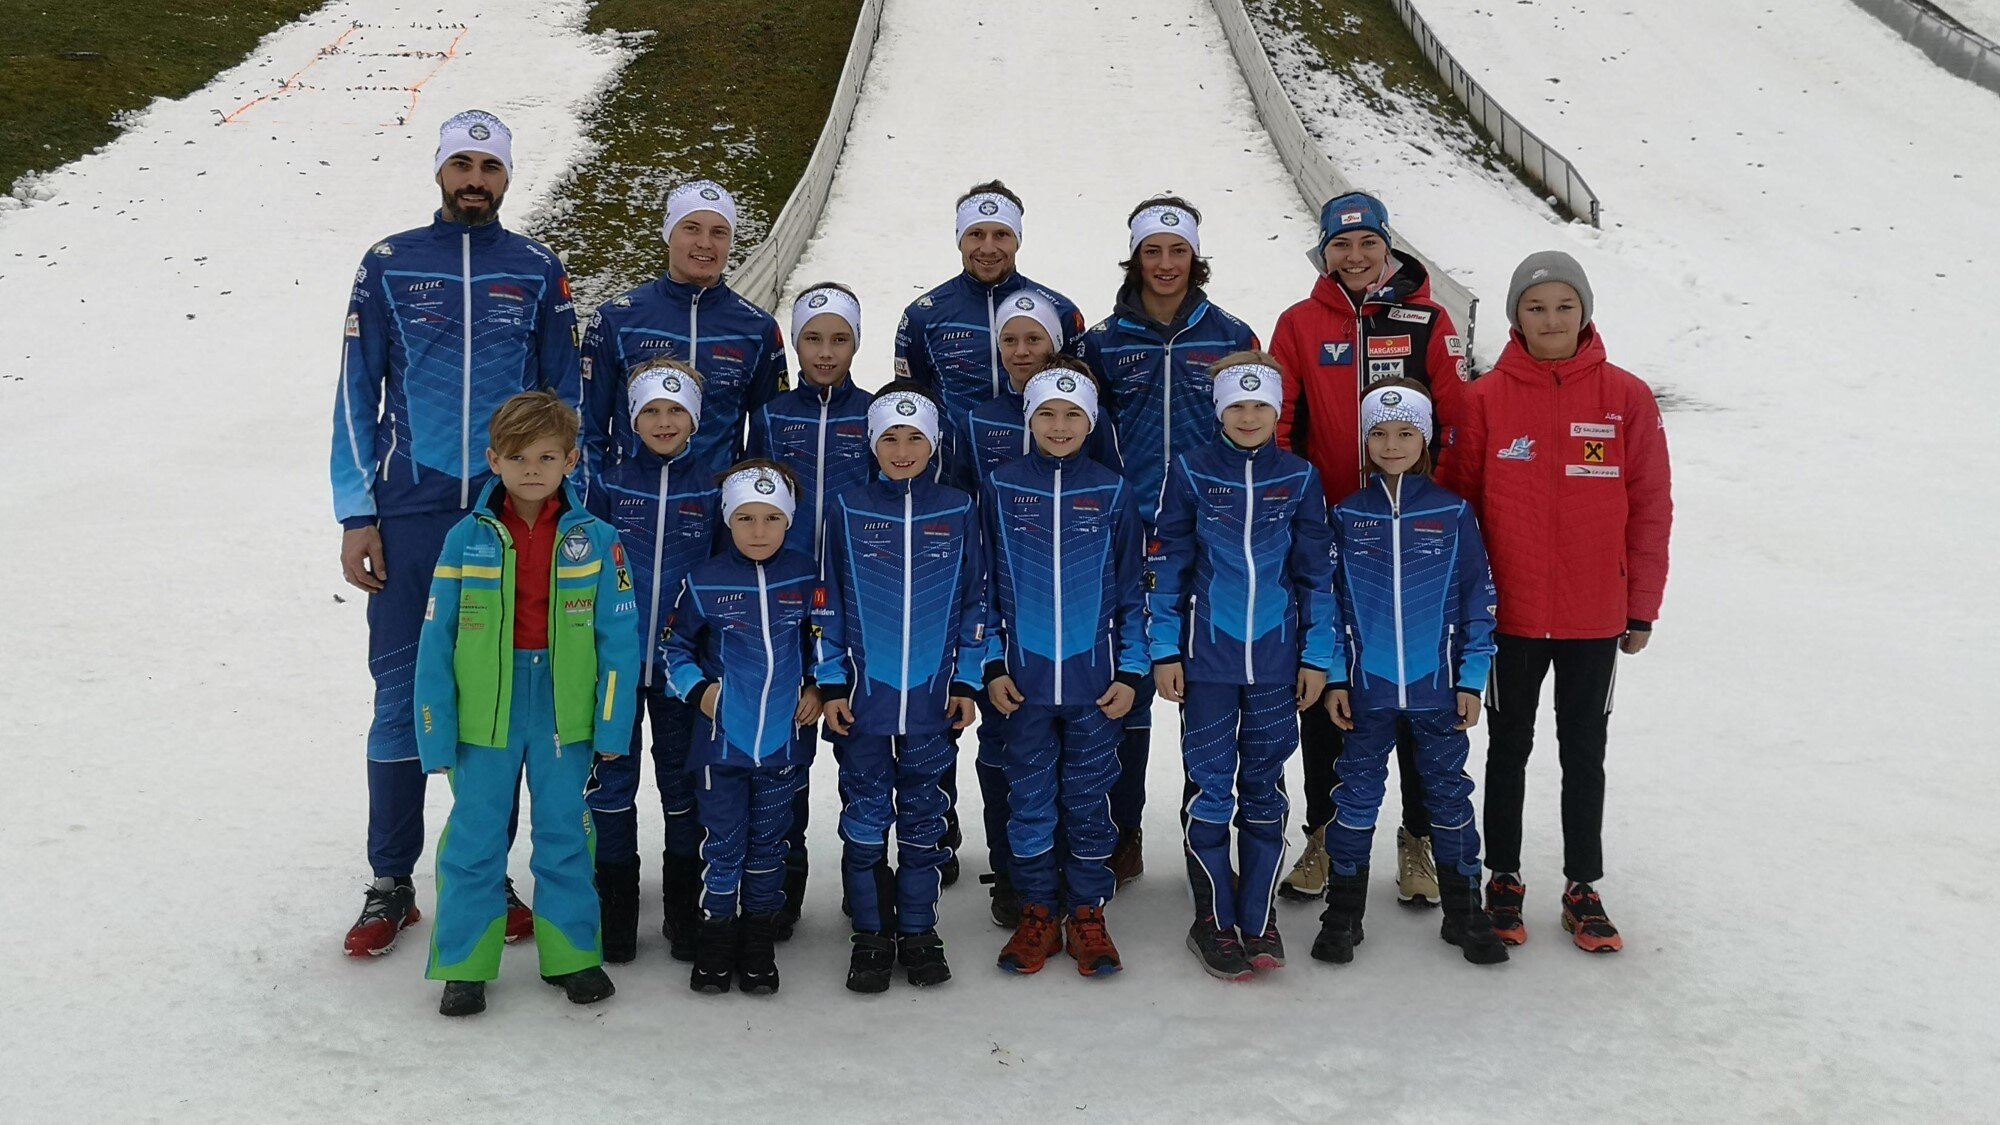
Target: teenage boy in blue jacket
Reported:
point(906, 556)
point(747, 643)
point(1066, 653)
point(666, 507)
point(1244, 632)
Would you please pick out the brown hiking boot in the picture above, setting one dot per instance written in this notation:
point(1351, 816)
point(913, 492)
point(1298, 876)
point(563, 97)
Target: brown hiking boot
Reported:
point(1035, 938)
point(1089, 942)
point(1128, 859)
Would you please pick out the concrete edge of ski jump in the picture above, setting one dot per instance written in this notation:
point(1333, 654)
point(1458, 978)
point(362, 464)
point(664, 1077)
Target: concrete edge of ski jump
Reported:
point(762, 276)
point(1963, 52)
point(1313, 171)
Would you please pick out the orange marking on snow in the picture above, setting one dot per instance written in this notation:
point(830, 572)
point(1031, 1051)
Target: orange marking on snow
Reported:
point(290, 84)
point(450, 53)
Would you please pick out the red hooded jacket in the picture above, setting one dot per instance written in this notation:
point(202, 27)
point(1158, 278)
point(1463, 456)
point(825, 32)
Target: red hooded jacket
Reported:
point(1565, 463)
point(1331, 353)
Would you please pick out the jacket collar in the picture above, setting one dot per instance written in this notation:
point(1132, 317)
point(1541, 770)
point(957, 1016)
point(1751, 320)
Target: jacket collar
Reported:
point(485, 234)
point(1518, 364)
point(1131, 309)
point(1409, 279)
point(687, 293)
point(493, 497)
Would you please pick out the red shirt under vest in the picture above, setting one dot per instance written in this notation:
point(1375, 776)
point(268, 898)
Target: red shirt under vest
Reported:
point(534, 555)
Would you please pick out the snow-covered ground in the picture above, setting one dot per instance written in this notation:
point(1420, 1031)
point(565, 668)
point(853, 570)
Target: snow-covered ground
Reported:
point(1982, 16)
point(1800, 244)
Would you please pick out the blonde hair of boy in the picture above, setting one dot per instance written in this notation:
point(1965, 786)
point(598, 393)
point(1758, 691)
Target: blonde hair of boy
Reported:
point(529, 417)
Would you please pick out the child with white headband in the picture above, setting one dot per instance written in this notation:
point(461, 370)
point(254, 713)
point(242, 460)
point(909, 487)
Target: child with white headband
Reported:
point(748, 643)
point(905, 558)
point(818, 430)
point(1244, 632)
point(664, 502)
point(1418, 598)
point(1028, 331)
point(1066, 652)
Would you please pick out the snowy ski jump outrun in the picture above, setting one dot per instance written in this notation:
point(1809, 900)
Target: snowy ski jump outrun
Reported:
point(1800, 247)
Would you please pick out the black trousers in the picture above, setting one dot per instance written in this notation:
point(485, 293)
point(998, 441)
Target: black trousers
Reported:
point(1319, 753)
point(1586, 674)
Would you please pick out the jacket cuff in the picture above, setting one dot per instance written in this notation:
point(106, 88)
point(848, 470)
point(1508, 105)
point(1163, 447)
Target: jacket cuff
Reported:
point(831, 692)
point(1130, 679)
point(693, 697)
point(995, 669)
point(356, 523)
point(1311, 665)
point(962, 690)
point(1159, 660)
point(1463, 690)
point(1337, 685)
point(1634, 625)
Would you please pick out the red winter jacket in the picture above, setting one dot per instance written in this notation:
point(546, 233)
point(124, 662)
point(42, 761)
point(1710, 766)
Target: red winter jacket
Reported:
point(1566, 464)
point(1330, 356)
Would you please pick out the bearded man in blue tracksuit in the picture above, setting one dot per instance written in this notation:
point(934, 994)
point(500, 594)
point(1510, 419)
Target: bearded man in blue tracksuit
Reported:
point(1152, 356)
point(445, 323)
point(906, 556)
point(1066, 653)
point(690, 314)
point(1243, 633)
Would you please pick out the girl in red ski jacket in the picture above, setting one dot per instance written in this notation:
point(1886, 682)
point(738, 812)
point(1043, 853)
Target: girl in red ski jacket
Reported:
point(1564, 457)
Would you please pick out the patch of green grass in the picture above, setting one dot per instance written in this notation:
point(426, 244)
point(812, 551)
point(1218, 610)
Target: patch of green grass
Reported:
point(69, 68)
point(732, 90)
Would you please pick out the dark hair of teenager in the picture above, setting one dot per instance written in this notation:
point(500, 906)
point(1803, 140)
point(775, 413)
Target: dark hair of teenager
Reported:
point(1197, 277)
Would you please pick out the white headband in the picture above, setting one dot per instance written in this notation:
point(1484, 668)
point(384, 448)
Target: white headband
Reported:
point(1063, 385)
point(1249, 382)
point(664, 383)
point(1166, 220)
point(817, 302)
point(989, 207)
point(1034, 306)
point(1396, 404)
point(701, 195)
point(757, 485)
point(475, 130)
point(902, 408)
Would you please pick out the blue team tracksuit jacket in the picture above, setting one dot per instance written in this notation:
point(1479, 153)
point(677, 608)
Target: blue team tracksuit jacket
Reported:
point(945, 342)
point(1068, 601)
point(1242, 567)
point(668, 512)
point(821, 435)
point(999, 433)
point(1157, 385)
point(762, 629)
point(1416, 594)
point(416, 388)
point(910, 563)
point(735, 345)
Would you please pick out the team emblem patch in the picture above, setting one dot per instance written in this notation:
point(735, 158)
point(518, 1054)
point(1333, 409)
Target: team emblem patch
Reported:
point(1349, 218)
point(1065, 383)
point(1593, 452)
point(816, 301)
point(576, 545)
point(672, 384)
point(383, 250)
point(1338, 354)
point(1024, 303)
point(353, 325)
point(988, 207)
point(1522, 449)
point(479, 131)
point(1170, 219)
point(1250, 382)
point(1391, 398)
point(710, 194)
point(906, 408)
point(766, 485)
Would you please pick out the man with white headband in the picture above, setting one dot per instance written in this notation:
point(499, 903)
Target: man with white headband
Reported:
point(1152, 354)
point(945, 341)
point(905, 556)
point(1244, 634)
point(455, 317)
point(664, 502)
point(690, 314)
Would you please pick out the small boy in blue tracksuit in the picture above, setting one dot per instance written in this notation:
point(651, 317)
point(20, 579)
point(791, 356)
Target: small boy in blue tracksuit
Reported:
point(820, 432)
point(1418, 600)
point(529, 648)
point(1066, 643)
point(664, 503)
point(1243, 635)
point(743, 645)
point(906, 556)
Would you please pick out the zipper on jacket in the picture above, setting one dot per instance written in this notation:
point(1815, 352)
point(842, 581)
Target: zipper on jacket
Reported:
point(770, 668)
point(1360, 384)
point(694, 329)
point(1249, 561)
point(1055, 558)
point(992, 343)
point(1396, 582)
point(659, 553)
point(1450, 661)
point(819, 481)
point(1555, 493)
point(389, 458)
point(1167, 406)
point(903, 706)
point(465, 373)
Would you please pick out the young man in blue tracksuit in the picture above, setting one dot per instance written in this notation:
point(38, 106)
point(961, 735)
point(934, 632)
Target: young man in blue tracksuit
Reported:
point(530, 642)
point(1152, 356)
point(744, 645)
point(667, 509)
point(1243, 635)
point(906, 555)
point(444, 323)
point(1066, 641)
point(1418, 599)
point(820, 432)
point(692, 315)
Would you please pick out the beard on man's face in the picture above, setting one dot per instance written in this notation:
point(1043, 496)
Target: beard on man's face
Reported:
point(472, 206)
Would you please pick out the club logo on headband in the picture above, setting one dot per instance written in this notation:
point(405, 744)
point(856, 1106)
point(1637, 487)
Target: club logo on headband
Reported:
point(1025, 304)
point(1349, 218)
point(710, 194)
point(766, 485)
point(479, 131)
point(1391, 398)
point(1065, 383)
point(672, 383)
point(905, 407)
point(816, 301)
point(1170, 219)
point(988, 207)
point(1250, 382)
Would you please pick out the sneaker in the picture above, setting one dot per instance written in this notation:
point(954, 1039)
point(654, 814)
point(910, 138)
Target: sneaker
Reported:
point(715, 957)
point(1006, 904)
point(520, 919)
point(618, 909)
point(463, 998)
point(1340, 923)
point(585, 986)
point(1128, 859)
point(757, 962)
point(872, 963)
point(1266, 951)
point(922, 956)
point(796, 870)
point(389, 909)
point(1583, 917)
point(1466, 924)
point(1220, 954)
point(1416, 871)
point(1035, 939)
point(1308, 878)
point(1086, 939)
point(1504, 894)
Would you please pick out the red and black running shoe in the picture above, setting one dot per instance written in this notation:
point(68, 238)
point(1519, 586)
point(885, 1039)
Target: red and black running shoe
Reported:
point(389, 909)
point(1504, 894)
point(1583, 917)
